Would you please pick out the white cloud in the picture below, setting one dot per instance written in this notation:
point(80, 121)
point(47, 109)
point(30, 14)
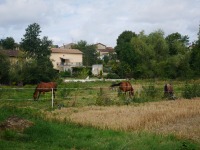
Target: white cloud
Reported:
point(66, 21)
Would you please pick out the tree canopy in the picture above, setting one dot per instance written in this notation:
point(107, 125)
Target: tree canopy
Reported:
point(38, 50)
point(89, 52)
point(8, 43)
point(153, 55)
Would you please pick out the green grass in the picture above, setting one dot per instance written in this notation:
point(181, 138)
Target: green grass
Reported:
point(87, 93)
point(56, 135)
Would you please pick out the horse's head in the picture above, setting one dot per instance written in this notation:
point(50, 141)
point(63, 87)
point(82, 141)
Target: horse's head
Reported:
point(132, 92)
point(35, 95)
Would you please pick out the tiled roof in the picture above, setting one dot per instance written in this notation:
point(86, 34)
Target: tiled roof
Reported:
point(66, 51)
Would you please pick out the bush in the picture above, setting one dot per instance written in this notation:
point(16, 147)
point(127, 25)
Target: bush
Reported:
point(65, 73)
point(112, 76)
point(191, 91)
point(150, 91)
point(102, 99)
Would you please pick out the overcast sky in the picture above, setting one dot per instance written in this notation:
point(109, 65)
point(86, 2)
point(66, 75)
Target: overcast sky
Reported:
point(98, 21)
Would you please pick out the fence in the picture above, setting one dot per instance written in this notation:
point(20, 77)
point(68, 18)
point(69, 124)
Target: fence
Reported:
point(84, 96)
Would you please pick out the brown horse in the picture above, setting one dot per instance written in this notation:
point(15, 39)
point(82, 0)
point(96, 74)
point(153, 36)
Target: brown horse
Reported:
point(124, 86)
point(168, 91)
point(44, 87)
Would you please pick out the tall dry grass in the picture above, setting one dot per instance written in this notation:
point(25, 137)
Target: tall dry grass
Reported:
point(181, 117)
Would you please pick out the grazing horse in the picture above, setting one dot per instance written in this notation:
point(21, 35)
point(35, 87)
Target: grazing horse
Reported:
point(168, 91)
point(44, 87)
point(125, 86)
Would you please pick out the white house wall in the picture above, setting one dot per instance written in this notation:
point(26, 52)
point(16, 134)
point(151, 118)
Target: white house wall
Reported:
point(73, 58)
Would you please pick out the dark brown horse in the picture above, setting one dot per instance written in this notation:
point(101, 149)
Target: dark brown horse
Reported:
point(169, 91)
point(124, 86)
point(43, 87)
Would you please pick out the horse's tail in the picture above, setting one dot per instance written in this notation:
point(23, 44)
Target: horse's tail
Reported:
point(117, 84)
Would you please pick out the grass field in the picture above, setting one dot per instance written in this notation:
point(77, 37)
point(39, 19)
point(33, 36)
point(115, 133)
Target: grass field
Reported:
point(154, 123)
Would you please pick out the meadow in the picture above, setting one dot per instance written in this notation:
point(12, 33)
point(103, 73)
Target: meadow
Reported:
point(93, 116)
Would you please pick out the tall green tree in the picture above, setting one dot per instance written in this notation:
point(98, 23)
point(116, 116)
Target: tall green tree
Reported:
point(4, 68)
point(123, 49)
point(144, 56)
point(33, 46)
point(38, 50)
point(125, 53)
point(89, 52)
point(159, 45)
point(8, 43)
point(195, 56)
point(177, 43)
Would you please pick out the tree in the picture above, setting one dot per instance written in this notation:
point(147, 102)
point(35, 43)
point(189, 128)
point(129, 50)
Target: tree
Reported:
point(89, 52)
point(159, 45)
point(33, 46)
point(123, 48)
point(38, 50)
point(177, 43)
point(125, 53)
point(4, 69)
point(195, 56)
point(8, 43)
point(144, 56)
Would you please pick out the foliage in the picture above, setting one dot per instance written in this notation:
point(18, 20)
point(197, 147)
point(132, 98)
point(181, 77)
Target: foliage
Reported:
point(191, 90)
point(102, 99)
point(4, 68)
point(177, 43)
point(112, 76)
point(38, 50)
point(89, 52)
point(81, 72)
point(195, 56)
point(35, 47)
point(123, 70)
point(8, 43)
point(125, 53)
point(64, 92)
point(153, 55)
point(66, 73)
point(150, 91)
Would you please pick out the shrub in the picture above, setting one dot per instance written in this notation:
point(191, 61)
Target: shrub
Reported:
point(150, 91)
point(191, 91)
point(65, 73)
point(112, 76)
point(102, 99)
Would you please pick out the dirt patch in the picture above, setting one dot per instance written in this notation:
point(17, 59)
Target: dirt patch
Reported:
point(15, 123)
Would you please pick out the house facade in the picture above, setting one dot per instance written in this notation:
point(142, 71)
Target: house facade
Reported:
point(103, 50)
point(66, 59)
